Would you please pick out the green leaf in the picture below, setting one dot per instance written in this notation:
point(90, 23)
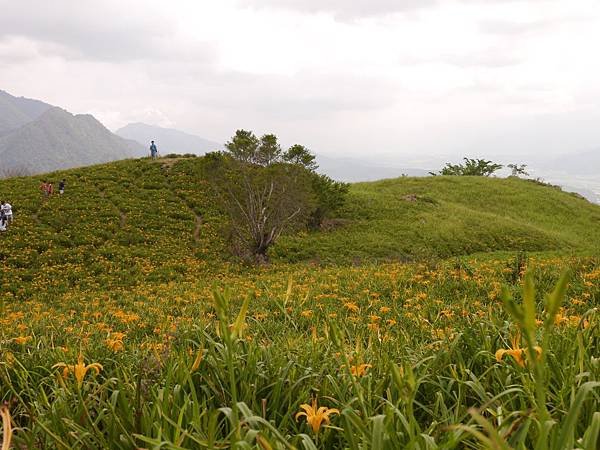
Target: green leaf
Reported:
point(238, 326)
point(569, 426)
point(590, 438)
point(529, 303)
point(555, 299)
point(378, 433)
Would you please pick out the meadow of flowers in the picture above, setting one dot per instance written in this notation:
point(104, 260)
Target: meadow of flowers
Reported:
point(118, 333)
point(400, 356)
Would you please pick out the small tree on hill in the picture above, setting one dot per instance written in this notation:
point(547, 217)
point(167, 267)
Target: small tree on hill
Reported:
point(470, 167)
point(266, 191)
point(248, 148)
point(300, 155)
point(261, 202)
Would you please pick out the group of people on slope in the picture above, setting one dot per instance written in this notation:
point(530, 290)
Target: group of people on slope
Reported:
point(6, 215)
point(47, 188)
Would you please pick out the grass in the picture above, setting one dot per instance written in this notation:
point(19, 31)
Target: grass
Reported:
point(200, 352)
point(441, 217)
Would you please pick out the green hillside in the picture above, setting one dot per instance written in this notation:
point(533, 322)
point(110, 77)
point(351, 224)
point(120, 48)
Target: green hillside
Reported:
point(414, 218)
point(159, 217)
point(124, 323)
point(140, 221)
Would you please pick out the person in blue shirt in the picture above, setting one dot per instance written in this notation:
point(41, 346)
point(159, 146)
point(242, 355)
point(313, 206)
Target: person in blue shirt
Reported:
point(153, 150)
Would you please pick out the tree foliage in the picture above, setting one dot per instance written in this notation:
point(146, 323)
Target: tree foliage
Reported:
point(300, 155)
point(267, 191)
point(470, 167)
point(330, 197)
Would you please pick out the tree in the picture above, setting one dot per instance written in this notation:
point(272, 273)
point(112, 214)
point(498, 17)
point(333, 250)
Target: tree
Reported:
point(471, 167)
point(248, 148)
point(261, 202)
point(518, 170)
point(243, 146)
point(267, 192)
point(330, 197)
point(300, 155)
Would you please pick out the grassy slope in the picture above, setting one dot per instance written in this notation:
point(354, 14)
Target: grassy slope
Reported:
point(122, 258)
point(453, 216)
point(139, 220)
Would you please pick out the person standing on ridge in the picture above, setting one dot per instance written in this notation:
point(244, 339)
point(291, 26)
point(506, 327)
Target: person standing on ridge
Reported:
point(153, 150)
point(61, 187)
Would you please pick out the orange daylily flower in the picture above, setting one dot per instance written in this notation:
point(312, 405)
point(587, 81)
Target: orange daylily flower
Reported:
point(360, 370)
point(519, 354)
point(79, 370)
point(315, 415)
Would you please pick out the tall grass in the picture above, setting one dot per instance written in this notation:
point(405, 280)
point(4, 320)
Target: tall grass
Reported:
point(233, 373)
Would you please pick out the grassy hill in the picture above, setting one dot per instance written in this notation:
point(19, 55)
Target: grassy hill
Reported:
point(127, 274)
point(159, 217)
point(135, 221)
point(415, 218)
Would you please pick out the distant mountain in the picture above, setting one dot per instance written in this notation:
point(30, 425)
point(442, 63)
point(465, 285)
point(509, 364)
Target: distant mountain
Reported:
point(168, 140)
point(58, 139)
point(352, 170)
point(18, 111)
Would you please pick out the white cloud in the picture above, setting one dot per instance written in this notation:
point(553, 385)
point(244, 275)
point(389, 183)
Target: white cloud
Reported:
point(343, 9)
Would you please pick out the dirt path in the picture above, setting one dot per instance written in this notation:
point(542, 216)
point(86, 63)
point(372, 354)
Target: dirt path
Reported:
point(166, 167)
point(123, 219)
point(122, 214)
point(197, 229)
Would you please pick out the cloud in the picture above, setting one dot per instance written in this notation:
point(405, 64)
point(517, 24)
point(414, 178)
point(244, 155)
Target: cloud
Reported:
point(304, 95)
point(109, 30)
point(512, 28)
point(490, 58)
point(417, 76)
point(342, 9)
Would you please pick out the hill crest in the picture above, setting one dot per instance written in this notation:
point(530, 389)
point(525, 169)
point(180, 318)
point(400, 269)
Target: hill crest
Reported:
point(133, 207)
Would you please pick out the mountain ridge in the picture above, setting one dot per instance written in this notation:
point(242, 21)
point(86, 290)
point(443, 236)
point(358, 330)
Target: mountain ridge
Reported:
point(58, 139)
point(18, 111)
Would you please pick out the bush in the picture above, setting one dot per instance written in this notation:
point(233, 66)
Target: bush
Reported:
point(471, 167)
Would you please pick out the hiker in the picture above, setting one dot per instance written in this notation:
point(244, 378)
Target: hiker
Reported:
point(153, 150)
point(49, 189)
point(61, 187)
point(6, 209)
point(2, 221)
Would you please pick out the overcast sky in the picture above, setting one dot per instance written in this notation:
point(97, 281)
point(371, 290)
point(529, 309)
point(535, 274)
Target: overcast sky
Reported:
point(402, 78)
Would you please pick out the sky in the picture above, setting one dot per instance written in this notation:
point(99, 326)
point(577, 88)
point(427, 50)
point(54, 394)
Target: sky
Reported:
point(398, 80)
